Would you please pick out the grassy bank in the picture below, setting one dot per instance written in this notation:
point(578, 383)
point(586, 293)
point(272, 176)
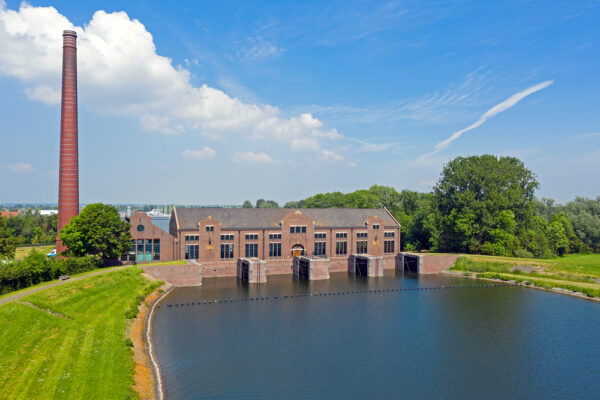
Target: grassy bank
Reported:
point(575, 272)
point(24, 251)
point(78, 351)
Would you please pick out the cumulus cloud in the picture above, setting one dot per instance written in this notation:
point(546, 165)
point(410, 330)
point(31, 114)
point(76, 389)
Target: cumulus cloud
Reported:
point(255, 158)
point(492, 112)
point(120, 72)
point(21, 167)
point(203, 154)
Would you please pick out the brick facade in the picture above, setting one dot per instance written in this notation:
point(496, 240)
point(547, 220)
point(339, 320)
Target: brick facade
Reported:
point(205, 234)
point(149, 231)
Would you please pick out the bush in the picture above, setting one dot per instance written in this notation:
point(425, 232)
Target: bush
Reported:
point(37, 268)
point(522, 253)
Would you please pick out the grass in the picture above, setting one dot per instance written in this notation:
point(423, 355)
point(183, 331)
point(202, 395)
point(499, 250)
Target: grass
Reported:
point(24, 251)
point(56, 280)
point(85, 355)
point(575, 272)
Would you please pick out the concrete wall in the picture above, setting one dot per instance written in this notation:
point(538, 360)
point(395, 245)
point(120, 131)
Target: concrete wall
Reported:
point(177, 275)
point(318, 268)
point(428, 263)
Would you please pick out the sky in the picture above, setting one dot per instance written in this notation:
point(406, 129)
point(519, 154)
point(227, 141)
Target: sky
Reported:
point(209, 102)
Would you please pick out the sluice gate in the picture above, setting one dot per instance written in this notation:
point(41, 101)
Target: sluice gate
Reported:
point(311, 268)
point(252, 270)
point(364, 265)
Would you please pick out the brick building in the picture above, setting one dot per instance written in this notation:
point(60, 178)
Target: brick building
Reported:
point(151, 240)
point(217, 237)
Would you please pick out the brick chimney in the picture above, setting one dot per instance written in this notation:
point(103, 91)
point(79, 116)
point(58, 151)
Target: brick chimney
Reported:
point(68, 180)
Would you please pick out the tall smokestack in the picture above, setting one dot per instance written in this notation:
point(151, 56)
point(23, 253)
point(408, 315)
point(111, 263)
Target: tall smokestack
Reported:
point(68, 180)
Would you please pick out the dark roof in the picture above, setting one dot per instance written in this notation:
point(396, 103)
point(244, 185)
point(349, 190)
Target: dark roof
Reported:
point(189, 217)
point(161, 222)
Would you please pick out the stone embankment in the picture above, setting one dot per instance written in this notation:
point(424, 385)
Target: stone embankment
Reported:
point(145, 383)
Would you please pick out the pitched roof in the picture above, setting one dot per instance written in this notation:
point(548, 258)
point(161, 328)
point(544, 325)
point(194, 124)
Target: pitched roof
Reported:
point(189, 217)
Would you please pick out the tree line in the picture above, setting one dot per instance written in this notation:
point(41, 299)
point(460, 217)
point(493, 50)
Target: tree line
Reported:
point(481, 205)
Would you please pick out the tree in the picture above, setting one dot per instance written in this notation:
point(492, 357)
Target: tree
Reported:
point(97, 230)
point(471, 195)
point(7, 243)
point(247, 204)
point(262, 203)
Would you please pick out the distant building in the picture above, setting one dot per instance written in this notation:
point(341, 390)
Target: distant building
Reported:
point(217, 237)
point(48, 212)
point(9, 214)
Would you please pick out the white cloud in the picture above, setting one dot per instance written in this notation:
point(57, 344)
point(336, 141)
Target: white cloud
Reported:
point(120, 72)
point(330, 155)
point(203, 154)
point(256, 158)
point(21, 167)
point(492, 112)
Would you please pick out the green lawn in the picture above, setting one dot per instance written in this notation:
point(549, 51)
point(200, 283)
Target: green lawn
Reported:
point(44, 356)
point(24, 251)
point(576, 272)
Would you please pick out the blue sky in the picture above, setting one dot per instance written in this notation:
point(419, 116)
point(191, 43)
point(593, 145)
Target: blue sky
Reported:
point(218, 102)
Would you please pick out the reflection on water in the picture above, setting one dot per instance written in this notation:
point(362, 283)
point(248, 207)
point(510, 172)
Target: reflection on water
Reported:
point(448, 343)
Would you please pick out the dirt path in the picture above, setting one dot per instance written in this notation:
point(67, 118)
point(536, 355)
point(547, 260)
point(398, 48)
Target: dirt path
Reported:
point(40, 288)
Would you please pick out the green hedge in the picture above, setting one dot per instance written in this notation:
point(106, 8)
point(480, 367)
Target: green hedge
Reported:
point(37, 268)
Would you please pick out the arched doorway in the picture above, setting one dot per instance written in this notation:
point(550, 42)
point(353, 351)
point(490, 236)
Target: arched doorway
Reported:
point(297, 250)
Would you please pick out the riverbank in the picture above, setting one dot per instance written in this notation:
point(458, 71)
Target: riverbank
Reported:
point(577, 275)
point(145, 384)
point(70, 341)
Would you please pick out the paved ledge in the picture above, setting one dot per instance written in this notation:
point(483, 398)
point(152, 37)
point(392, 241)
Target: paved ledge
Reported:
point(176, 275)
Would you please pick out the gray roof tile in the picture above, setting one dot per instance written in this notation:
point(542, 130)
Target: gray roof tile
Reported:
point(189, 217)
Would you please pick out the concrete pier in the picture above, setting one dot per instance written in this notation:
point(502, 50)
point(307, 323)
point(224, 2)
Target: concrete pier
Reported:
point(252, 270)
point(365, 265)
point(424, 263)
point(311, 268)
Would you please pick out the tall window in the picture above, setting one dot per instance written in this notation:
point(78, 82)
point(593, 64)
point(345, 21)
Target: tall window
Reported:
point(388, 246)
point(251, 250)
point(191, 251)
point(320, 249)
point(361, 246)
point(226, 250)
point(341, 248)
point(157, 249)
point(275, 249)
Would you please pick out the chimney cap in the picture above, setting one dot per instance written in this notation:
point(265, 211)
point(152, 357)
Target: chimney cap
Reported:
point(69, 33)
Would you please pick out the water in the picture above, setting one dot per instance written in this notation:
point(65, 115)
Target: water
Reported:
point(474, 343)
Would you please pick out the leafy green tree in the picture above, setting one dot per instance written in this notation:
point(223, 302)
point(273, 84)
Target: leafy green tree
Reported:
point(471, 195)
point(247, 204)
point(262, 203)
point(557, 238)
point(7, 243)
point(97, 230)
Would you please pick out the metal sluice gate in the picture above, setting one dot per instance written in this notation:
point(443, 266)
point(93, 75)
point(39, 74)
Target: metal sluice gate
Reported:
point(342, 293)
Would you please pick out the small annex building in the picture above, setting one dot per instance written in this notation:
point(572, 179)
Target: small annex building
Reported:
point(150, 241)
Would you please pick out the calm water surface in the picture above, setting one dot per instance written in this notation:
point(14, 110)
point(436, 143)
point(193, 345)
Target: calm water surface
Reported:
point(476, 343)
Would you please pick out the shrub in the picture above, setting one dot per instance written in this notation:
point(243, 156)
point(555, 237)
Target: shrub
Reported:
point(37, 268)
point(522, 253)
